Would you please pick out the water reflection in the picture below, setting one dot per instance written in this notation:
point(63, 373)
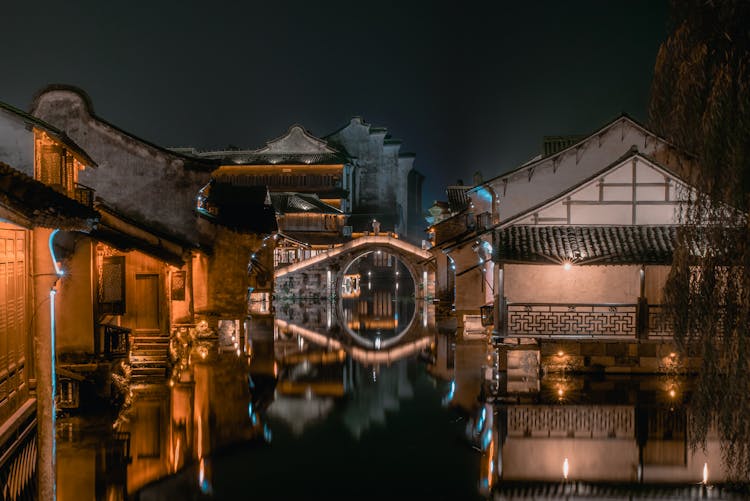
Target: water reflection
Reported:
point(301, 408)
point(377, 300)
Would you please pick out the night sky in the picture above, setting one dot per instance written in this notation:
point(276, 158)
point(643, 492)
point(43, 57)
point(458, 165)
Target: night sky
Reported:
point(465, 86)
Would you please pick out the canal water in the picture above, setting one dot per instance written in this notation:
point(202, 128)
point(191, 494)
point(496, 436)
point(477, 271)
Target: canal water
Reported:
point(365, 398)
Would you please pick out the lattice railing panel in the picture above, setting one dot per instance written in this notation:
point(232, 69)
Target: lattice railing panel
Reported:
point(660, 323)
point(580, 421)
point(552, 319)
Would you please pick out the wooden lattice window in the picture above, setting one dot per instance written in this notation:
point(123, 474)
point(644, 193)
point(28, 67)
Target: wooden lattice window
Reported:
point(112, 285)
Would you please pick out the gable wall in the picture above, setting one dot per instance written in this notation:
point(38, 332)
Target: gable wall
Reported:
point(16, 143)
point(529, 187)
point(633, 193)
point(136, 179)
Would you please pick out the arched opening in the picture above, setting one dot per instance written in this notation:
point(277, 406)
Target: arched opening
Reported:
point(376, 305)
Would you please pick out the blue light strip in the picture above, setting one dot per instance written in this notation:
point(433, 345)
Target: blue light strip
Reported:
point(59, 271)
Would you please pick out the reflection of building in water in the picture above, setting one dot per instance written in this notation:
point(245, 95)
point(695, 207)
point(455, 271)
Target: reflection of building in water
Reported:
point(350, 285)
point(380, 390)
point(166, 427)
point(622, 431)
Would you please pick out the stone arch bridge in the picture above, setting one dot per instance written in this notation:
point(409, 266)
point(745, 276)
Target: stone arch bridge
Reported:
point(321, 276)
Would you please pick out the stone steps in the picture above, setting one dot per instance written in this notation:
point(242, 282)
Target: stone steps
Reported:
point(149, 359)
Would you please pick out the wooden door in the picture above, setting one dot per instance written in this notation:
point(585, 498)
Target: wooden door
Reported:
point(147, 318)
point(13, 325)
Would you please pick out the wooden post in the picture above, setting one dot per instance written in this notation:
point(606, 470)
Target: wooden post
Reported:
point(499, 299)
point(642, 309)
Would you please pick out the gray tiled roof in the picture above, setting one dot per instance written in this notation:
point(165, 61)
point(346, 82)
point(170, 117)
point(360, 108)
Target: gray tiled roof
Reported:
point(255, 158)
point(41, 204)
point(288, 203)
point(586, 244)
point(457, 198)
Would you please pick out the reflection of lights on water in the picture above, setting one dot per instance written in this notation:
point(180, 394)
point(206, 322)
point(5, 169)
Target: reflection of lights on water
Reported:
point(203, 483)
point(377, 343)
point(566, 469)
point(451, 392)
point(482, 417)
point(560, 353)
point(705, 473)
point(267, 433)
point(672, 393)
point(486, 440)
point(560, 392)
point(275, 369)
point(374, 375)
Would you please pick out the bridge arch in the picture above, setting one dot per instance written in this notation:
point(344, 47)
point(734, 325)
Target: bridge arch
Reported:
point(328, 268)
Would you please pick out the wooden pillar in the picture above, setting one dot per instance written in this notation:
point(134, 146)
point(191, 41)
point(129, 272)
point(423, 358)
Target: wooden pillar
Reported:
point(498, 280)
point(642, 309)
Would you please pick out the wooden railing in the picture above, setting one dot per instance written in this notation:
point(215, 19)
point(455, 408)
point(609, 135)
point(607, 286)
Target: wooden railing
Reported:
point(586, 320)
point(83, 194)
point(660, 323)
point(115, 340)
point(579, 421)
point(571, 320)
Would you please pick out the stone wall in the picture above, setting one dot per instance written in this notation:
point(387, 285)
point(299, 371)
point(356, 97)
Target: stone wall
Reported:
point(637, 357)
point(228, 271)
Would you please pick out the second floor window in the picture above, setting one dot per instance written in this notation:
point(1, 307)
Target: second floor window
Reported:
point(56, 167)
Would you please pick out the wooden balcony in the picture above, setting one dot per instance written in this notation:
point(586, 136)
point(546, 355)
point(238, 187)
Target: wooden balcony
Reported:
point(84, 195)
point(113, 341)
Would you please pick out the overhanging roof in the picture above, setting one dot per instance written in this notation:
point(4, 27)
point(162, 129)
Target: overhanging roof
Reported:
point(41, 205)
point(583, 245)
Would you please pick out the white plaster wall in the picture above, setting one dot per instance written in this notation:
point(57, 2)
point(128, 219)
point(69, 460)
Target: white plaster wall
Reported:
point(589, 459)
point(551, 176)
point(75, 325)
point(139, 180)
point(581, 284)
point(16, 143)
point(609, 199)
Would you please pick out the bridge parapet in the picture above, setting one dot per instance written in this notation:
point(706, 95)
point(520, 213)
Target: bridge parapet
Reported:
point(374, 241)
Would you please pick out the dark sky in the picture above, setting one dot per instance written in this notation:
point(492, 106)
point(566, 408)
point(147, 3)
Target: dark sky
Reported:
point(465, 85)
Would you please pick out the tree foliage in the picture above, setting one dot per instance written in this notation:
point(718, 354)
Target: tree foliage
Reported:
point(700, 100)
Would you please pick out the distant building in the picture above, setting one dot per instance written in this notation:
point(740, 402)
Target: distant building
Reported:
point(358, 170)
point(386, 185)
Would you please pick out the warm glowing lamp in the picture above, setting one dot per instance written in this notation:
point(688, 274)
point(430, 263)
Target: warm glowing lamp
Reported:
point(566, 469)
point(567, 266)
point(705, 473)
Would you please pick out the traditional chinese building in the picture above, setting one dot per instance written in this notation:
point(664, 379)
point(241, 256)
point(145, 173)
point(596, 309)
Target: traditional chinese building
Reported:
point(39, 168)
point(574, 245)
point(359, 170)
